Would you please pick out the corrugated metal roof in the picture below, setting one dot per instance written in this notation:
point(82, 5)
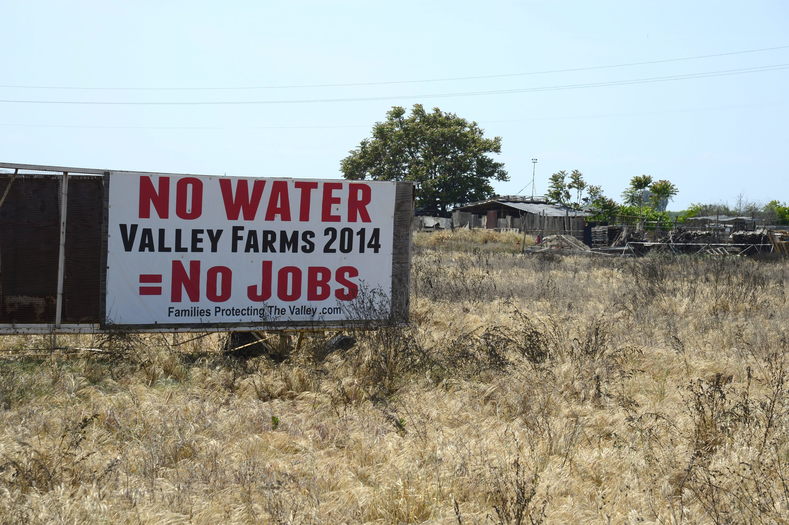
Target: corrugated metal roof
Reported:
point(550, 210)
point(522, 204)
point(719, 218)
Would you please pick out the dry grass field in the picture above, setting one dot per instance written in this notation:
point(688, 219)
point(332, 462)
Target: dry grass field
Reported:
point(527, 389)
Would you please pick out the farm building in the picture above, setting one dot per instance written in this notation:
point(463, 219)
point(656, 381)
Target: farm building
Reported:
point(430, 223)
point(722, 222)
point(532, 215)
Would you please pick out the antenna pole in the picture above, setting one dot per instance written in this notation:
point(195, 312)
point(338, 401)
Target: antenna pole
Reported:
point(533, 171)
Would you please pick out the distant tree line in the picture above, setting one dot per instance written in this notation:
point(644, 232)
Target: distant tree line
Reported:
point(644, 199)
point(774, 212)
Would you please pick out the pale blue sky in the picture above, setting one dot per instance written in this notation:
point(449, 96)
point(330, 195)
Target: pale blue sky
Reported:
point(714, 137)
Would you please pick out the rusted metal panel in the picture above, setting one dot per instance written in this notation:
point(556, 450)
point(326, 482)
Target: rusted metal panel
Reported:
point(29, 231)
point(491, 220)
point(81, 291)
point(29, 244)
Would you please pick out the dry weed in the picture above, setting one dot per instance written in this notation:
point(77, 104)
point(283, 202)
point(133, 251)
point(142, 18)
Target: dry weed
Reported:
point(526, 390)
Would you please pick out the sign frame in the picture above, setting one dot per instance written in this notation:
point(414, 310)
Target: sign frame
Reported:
point(398, 301)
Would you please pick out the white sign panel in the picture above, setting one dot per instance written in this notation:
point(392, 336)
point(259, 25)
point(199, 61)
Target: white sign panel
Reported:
point(185, 250)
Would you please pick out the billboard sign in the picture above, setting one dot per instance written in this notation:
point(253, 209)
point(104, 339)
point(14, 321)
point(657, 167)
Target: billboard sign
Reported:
point(187, 250)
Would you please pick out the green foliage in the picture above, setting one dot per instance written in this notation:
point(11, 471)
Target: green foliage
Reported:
point(640, 182)
point(557, 188)
point(604, 209)
point(578, 184)
point(695, 210)
point(608, 210)
point(652, 218)
point(777, 212)
point(645, 199)
point(648, 194)
point(445, 156)
point(636, 194)
point(700, 210)
point(774, 212)
point(660, 192)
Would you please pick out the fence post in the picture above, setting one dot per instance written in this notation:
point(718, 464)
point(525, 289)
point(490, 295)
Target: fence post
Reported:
point(523, 227)
point(61, 249)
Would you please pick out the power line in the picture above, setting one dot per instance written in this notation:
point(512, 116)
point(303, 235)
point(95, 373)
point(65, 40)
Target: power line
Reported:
point(647, 80)
point(196, 128)
point(367, 126)
point(396, 82)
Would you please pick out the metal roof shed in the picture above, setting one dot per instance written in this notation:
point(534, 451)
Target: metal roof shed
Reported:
point(531, 216)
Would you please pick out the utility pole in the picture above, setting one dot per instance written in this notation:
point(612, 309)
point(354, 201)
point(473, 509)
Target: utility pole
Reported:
point(533, 171)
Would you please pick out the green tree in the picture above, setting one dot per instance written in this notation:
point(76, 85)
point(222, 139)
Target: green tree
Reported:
point(660, 192)
point(594, 192)
point(695, 210)
point(635, 194)
point(776, 212)
point(651, 218)
point(578, 184)
point(700, 210)
point(557, 188)
point(445, 156)
point(603, 208)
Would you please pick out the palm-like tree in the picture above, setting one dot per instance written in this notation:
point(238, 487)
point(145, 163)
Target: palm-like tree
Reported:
point(661, 192)
point(578, 184)
point(634, 194)
point(557, 189)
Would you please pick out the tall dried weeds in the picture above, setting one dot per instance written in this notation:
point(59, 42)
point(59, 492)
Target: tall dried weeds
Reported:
point(525, 390)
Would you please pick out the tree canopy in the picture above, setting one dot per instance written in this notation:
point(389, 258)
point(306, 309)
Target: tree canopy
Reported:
point(637, 194)
point(559, 189)
point(445, 156)
point(646, 192)
point(578, 184)
point(774, 212)
point(645, 198)
point(661, 192)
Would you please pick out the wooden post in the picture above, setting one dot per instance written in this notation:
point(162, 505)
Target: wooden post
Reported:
point(523, 227)
point(61, 249)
